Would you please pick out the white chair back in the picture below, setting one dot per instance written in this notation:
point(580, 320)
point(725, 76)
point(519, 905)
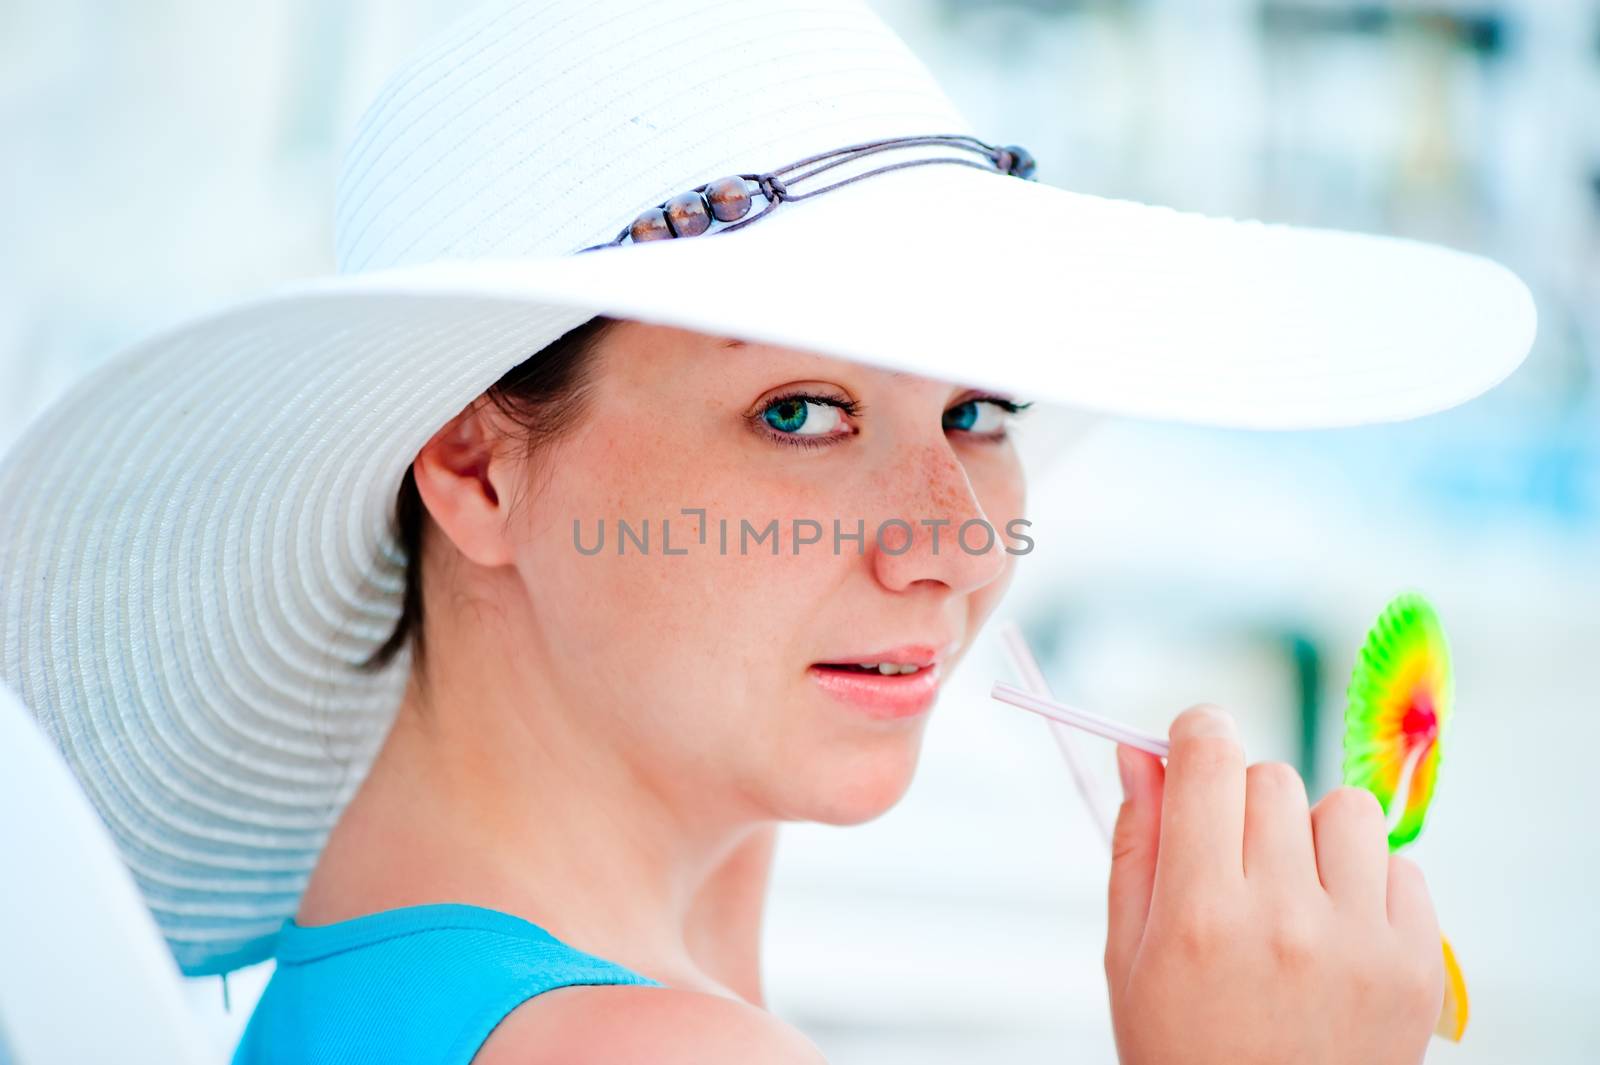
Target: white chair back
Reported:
point(84, 974)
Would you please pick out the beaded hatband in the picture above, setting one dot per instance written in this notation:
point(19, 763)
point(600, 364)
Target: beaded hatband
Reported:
point(729, 199)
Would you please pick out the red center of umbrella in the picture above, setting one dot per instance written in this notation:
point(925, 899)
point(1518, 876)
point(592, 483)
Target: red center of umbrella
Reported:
point(1420, 722)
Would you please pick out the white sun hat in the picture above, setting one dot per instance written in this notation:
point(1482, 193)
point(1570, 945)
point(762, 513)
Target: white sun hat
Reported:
point(196, 542)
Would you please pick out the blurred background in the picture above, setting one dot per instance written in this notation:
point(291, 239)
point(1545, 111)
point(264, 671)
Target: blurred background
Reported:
point(163, 157)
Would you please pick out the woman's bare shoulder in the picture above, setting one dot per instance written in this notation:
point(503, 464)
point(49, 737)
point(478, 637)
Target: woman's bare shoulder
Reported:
point(625, 1023)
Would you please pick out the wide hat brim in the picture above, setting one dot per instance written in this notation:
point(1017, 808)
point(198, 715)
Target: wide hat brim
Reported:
point(195, 542)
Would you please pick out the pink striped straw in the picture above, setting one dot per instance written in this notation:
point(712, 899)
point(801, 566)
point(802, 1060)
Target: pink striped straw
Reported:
point(1028, 671)
point(1069, 715)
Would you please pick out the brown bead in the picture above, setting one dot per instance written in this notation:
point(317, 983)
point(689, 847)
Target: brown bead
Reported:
point(652, 225)
point(688, 214)
point(1017, 160)
point(729, 198)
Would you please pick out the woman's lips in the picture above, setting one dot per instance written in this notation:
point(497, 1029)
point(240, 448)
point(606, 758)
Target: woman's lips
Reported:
point(880, 696)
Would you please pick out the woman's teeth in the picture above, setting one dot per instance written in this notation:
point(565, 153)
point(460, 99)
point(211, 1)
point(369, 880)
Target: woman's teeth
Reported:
point(886, 668)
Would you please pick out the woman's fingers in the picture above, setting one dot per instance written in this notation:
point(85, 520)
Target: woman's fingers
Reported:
point(1273, 932)
point(1411, 912)
point(1416, 926)
point(1134, 845)
point(1352, 841)
point(1277, 829)
point(1202, 804)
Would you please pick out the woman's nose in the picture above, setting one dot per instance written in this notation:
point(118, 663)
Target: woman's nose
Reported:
point(933, 527)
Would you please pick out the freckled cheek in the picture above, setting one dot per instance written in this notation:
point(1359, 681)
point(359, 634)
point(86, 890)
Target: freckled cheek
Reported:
point(732, 598)
point(1002, 494)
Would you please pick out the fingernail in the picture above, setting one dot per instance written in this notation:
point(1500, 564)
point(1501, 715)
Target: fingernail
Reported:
point(1125, 771)
point(1217, 722)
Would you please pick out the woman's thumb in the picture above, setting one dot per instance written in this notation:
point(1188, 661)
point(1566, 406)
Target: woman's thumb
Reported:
point(1134, 843)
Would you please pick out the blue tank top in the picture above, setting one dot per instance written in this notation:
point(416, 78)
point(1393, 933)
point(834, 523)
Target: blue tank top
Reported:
point(417, 984)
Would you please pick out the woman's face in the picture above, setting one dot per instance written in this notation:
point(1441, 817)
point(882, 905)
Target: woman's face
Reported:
point(725, 666)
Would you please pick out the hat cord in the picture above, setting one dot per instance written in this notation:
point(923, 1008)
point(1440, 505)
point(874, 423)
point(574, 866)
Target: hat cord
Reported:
point(729, 200)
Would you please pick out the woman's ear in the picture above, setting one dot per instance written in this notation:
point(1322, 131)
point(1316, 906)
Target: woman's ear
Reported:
point(456, 472)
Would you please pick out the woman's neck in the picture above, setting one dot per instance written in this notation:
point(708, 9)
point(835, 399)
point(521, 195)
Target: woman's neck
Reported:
point(469, 802)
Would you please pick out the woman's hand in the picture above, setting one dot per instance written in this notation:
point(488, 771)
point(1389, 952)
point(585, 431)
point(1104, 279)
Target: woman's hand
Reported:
point(1245, 928)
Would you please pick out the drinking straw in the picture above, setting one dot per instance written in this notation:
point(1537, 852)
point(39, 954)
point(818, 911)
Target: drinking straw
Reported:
point(1069, 715)
point(1028, 671)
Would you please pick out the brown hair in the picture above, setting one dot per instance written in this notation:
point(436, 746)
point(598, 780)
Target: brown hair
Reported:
point(544, 395)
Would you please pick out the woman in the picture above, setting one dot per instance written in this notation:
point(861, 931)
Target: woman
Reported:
point(458, 630)
point(642, 745)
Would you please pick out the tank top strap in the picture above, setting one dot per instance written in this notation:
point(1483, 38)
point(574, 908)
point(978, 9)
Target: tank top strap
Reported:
point(421, 983)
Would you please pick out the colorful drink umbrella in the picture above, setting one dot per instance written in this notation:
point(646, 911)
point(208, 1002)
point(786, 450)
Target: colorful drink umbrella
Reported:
point(1400, 701)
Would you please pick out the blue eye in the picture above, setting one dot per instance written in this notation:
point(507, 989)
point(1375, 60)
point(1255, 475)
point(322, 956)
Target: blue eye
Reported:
point(985, 416)
point(804, 415)
point(961, 416)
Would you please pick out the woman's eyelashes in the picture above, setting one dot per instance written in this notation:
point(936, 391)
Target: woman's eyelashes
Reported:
point(813, 419)
point(985, 417)
point(807, 419)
